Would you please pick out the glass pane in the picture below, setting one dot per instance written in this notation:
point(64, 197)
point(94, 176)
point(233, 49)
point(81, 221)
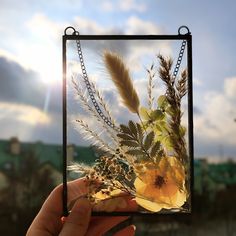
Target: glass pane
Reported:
point(127, 126)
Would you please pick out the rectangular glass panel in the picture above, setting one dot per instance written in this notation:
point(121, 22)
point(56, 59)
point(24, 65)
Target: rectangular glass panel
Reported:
point(127, 125)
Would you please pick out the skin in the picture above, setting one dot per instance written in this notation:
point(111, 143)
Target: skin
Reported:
point(79, 223)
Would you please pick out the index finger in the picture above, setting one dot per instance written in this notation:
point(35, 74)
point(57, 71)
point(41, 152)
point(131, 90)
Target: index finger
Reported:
point(49, 217)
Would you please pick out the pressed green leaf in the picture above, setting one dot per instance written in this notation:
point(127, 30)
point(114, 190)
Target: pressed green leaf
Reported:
point(166, 141)
point(133, 128)
point(157, 115)
point(144, 157)
point(159, 156)
point(140, 132)
point(170, 111)
point(155, 149)
point(164, 126)
point(161, 153)
point(149, 140)
point(129, 143)
point(144, 113)
point(162, 102)
point(159, 138)
point(182, 131)
point(125, 136)
point(135, 152)
point(158, 128)
point(125, 129)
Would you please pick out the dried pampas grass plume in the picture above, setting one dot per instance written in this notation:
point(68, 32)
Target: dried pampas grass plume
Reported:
point(121, 78)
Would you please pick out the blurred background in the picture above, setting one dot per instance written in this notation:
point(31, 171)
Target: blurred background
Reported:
point(31, 111)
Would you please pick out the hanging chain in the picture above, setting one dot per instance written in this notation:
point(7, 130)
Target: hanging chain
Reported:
point(91, 92)
point(107, 120)
point(180, 57)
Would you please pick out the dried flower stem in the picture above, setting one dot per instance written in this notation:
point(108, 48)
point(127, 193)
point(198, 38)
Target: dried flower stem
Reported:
point(79, 168)
point(174, 99)
point(151, 75)
point(94, 136)
point(121, 78)
point(181, 85)
point(103, 104)
point(111, 132)
point(85, 103)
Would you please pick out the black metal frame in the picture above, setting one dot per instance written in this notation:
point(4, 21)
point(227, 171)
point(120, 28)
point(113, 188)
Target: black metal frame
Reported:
point(75, 36)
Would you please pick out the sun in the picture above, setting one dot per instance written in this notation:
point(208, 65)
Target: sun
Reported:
point(44, 59)
point(48, 66)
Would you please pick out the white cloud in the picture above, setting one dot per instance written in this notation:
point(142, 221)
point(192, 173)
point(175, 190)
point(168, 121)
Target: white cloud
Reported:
point(123, 6)
point(107, 6)
point(216, 122)
point(139, 50)
point(87, 26)
point(136, 25)
point(129, 5)
point(230, 87)
point(197, 82)
point(44, 28)
point(23, 113)
point(9, 56)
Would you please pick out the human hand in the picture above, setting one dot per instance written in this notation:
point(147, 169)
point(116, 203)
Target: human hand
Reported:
point(78, 223)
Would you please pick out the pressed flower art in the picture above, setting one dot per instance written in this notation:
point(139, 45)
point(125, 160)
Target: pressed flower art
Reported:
point(142, 163)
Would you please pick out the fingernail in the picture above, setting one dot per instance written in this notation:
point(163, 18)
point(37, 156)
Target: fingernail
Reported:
point(63, 219)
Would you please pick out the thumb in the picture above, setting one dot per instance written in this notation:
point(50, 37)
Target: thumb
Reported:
point(77, 222)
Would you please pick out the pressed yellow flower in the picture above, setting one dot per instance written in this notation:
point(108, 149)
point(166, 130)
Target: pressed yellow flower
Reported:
point(110, 205)
point(161, 186)
point(116, 201)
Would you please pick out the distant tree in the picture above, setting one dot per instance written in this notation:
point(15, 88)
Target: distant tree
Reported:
point(36, 184)
point(27, 188)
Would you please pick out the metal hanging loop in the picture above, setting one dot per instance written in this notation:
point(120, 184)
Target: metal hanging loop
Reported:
point(68, 29)
point(183, 27)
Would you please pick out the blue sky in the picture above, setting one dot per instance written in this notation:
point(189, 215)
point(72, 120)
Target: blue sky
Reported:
point(30, 61)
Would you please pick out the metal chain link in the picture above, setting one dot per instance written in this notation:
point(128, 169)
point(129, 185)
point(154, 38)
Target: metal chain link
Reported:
point(180, 57)
point(106, 120)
